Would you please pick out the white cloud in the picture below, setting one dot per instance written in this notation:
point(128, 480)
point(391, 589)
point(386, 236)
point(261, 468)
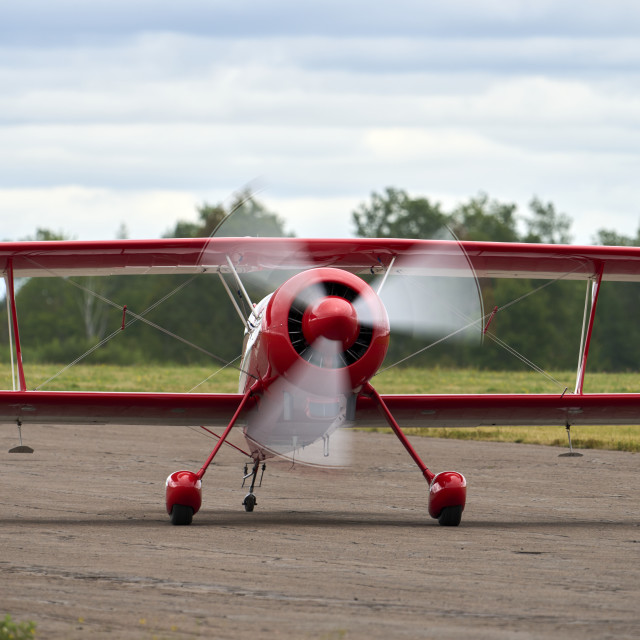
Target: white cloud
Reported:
point(513, 98)
point(95, 214)
point(92, 214)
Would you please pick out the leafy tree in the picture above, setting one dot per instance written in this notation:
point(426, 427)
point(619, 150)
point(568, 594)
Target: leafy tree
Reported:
point(375, 220)
point(613, 238)
point(396, 215)
point(245, 216)
point(485, 219)
point(547, 225)
point(47, 235)
point(614, 345)
point(184, 229)
point(123, 232)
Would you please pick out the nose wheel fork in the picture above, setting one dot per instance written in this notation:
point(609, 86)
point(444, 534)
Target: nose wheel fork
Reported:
point(250, 500)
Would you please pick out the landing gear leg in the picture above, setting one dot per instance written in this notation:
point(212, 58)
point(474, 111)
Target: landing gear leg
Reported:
point(447, 490)
point(250, 500)
point(184, 488)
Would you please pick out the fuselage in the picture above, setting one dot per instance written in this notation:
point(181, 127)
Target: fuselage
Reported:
point(309, 347)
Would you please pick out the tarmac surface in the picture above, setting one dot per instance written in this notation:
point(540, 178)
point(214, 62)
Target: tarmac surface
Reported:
point(549, 547)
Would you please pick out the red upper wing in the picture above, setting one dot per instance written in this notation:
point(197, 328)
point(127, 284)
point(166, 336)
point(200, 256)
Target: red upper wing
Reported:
point(360, 255)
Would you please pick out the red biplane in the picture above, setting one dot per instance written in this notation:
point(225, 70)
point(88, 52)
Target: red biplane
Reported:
point(313, 345)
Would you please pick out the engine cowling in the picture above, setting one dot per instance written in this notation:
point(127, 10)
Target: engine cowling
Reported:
point(329, 320)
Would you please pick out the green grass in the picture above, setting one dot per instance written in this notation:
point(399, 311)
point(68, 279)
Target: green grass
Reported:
point(617, 438)
point(397, 380)
point(413, 380)
point(10, 630)
point(103, 377)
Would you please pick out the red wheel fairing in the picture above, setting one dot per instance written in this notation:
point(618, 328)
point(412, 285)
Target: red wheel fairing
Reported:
point(448, 489)
point(184, 488)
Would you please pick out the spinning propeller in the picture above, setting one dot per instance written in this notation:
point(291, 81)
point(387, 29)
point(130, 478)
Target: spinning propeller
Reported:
point(315, 352)
point(324, 333)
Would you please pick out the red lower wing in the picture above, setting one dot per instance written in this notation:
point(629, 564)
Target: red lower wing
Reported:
point(64, 407)
point(507, 409)
point(60, 407)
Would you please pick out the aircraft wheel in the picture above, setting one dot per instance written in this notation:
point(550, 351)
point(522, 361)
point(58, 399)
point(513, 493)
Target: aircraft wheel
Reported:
point(181, 514)
point(450, 516)
point(249, 502)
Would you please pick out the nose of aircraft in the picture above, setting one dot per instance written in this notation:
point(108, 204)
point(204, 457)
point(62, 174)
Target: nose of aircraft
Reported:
point(332, 318)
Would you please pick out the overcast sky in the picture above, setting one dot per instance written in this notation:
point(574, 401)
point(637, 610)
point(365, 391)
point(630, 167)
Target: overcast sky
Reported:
point(134, 112)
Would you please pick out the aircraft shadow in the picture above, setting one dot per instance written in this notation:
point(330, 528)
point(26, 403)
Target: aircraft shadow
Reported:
point(310, 519)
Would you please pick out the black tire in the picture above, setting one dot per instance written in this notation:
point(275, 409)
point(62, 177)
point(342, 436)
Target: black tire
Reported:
point(181, 514)
point(450, 516)
point(249, 502)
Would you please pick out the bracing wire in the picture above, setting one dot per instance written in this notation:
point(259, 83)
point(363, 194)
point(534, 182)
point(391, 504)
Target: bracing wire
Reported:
point(497, 340)
point(215, 373)
point(524, 359)
point(135, 317)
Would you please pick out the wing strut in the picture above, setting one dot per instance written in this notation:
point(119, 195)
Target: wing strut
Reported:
point(11, 297)
point(593, 283)
point(10, 332)
point(233, 300)
point(386, 275)
point(242, 292)
point(241, 288)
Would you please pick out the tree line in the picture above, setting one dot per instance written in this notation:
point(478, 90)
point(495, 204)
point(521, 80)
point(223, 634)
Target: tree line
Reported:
point(62, 319)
